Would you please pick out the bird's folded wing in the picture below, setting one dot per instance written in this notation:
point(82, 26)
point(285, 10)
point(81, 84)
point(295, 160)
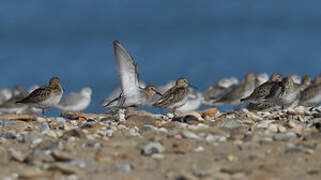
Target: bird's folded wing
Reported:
point(127, 70)
point(36, 96)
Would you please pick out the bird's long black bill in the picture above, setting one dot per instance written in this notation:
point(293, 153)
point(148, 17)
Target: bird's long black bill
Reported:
point(157, 92)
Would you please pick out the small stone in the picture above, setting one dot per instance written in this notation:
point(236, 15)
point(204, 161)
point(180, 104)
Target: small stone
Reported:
point(284, 137)
point(61, 156)
point(291, 148)
point(125, 167)
point(76, 133)
point(170, 115)
point(281, 129)
point(109, 132)
point(273, 128)
point(201, 173)
point(189, 134)
point(152, 148)
point(4, 123)
point(65, 168)
point(35, 174)
point(7, 135)
point(147, 128)
point(17, 155)
point(209, 113)
point(199, 149)
point(232, 125)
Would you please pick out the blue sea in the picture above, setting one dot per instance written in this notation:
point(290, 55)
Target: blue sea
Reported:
point(200, 40)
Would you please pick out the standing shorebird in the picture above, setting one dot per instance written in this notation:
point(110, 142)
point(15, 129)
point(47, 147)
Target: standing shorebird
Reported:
point(76, 101)
point(45, 97)
point(218, 90)
point(261, 78)
point(311, 95)
point(290, 95)
point(5, 94)
point(193, 102)
point(242, 90)
point(175, 97)
point(260, 93)
point(132, 95)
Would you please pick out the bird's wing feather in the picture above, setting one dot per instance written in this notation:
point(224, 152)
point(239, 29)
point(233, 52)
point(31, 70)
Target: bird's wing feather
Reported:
point(36, 96)
point(127, 70)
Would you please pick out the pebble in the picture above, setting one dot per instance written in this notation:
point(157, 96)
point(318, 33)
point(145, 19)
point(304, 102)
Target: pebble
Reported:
point(147, 128)
point(232, 125)
point(189, 134)
point(75, 133)
point(61, 156)
point(152, 148)
point(284, 136)
point(7, 135)
point(127, 167)
point(17, 155)
point(6, 123)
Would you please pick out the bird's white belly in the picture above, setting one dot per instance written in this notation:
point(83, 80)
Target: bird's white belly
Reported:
point(50, 102)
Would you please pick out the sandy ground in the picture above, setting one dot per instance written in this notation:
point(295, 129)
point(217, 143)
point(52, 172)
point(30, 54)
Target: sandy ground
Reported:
point(198, 145)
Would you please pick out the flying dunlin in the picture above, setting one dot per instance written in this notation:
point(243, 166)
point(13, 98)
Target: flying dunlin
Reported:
point(76, 101)
point(45, 97)
point(132, 95)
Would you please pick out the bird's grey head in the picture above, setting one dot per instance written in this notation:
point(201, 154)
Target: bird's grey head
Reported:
point(54, 81)
point(151, 90)
point(287, 83)
point(17, 90)
point(306, 81)
point(224, 82)
point(182, 82)
point(276, 77)
point(262, 78)
point(317, 80)
point(86, 91)
point(6, 93)
point(296, 78)
point(250, 77)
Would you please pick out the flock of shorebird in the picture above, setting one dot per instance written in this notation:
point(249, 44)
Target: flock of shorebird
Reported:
point(259, 91)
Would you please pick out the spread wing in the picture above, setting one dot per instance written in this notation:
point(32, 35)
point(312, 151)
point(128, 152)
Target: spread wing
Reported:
point(127, 70)
point(36, 96)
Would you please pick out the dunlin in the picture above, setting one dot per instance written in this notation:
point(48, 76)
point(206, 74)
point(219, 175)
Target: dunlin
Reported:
point(10, 105)
point(218, 90)
point(5, 94)
point(290, 95)
point(45, 97)
point(132, 95)
point(115, 94)
point(317, 80)
point(76, 101)
point(175, 97)
point(260, 93)
point(242, 90)
point(193, 102)
point(311, 95)
point(261, 78)
point(296, 78)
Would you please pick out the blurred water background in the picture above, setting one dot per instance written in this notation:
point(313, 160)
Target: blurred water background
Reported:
point(201, 40)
